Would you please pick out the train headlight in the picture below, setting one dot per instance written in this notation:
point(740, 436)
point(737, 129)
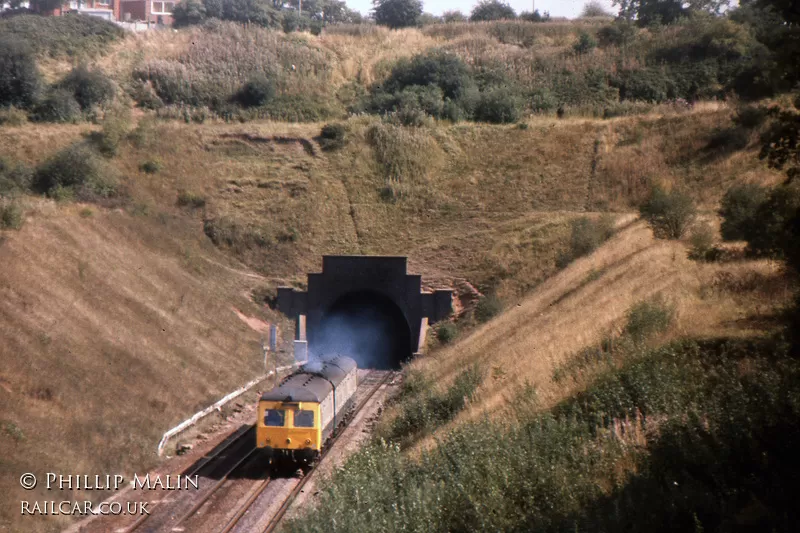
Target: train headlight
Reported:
point(269, 440)
point(308, 441)
point(288, 441)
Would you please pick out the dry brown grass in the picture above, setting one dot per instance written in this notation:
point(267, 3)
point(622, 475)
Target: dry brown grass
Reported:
point(576, 308)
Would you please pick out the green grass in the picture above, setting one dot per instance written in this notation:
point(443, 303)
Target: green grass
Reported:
point(685, 439)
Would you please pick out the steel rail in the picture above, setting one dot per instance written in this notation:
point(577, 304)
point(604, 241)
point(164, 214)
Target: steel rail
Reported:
point(277, 517)
point(234, 438)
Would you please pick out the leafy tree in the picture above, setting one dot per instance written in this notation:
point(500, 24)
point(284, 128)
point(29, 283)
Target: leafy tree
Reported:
point(492, 10)
point(771, 233)
point(647, 12)
point(738, 210)
point(669, 213)
point(454, 16)
point(535, 16)
point(42, 6)
point(397, 13)
point(188, 12)
point(594, 8)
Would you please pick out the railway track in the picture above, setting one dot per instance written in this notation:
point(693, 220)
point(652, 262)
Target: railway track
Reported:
point(276, 519)
point(234, 465)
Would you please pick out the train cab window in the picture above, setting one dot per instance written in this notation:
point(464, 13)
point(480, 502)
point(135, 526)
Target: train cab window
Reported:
point(304, 419)
point(274, 417)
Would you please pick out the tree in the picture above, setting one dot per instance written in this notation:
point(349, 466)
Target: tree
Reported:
point(20, 80)
point(738, 210)
point(492, 10)
point(595, 9)
point(535, 16)
point(188, 12)
point(669, 213)
point(397, 13)
point(647, 12)
point(454, 16)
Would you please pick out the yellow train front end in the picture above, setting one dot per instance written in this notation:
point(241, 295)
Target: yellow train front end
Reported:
point(289, 430)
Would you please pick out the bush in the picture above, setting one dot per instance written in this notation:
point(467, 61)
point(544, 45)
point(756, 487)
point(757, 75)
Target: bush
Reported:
point(770, 234)
point(648, 318)
point(446, 332)
point(58, 106)
point(77, 170)
point(150, 166)
point(10, 215)
point(669, 213)
point(333, 136)
point(738, 210)
point(116, 125)
point(499, 105)
point(14, 178)
point(20, 81)
point(11, 116)
point(586, 43)
point(487, 308)
point(701, 243)
point(586, 236)
point(258, 91)
point(90, 87)
point(190, 199)
point(621, 33)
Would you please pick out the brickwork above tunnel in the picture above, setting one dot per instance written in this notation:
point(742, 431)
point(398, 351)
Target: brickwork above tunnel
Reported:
point(384, 276)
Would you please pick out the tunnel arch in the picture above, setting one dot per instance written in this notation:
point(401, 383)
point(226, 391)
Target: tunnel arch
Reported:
point(366, 325)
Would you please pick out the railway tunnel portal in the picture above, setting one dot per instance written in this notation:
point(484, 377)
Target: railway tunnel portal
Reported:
point(367, 307)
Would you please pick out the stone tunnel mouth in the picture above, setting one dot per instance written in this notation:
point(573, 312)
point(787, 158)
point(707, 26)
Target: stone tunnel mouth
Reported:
point(367, 326)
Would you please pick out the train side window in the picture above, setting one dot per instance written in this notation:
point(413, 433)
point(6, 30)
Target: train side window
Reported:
point(274, 417)
point(304, 419)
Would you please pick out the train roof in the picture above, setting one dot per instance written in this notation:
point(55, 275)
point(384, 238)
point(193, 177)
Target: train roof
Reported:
point(312, 381)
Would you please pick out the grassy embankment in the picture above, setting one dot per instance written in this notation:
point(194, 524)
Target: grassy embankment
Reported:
point(102, 284)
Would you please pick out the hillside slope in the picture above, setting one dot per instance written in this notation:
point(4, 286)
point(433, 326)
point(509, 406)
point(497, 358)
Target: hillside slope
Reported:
point(114, 328)
point(589, 301)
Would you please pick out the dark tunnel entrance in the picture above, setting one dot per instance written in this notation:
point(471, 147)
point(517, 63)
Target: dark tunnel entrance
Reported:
point(367, 326)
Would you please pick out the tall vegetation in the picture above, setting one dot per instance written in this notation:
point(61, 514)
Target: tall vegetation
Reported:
point(397, 13)
point(669, 213)
point(492, 10)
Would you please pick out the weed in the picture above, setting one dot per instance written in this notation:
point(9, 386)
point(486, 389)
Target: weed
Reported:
point(86, 213)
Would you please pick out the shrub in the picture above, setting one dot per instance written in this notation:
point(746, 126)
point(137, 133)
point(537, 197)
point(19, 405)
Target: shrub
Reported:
point(701, 242)
point(20, 81)
point(14, 177)
point(586, 236)
point(770, 234)
point(499, 105)
point(190, 199)
point(76, 170)
point(669, 213)
point(446, 332)
point(90, 87)
point(750, 116)
point(333, 136)
point(594, 8)
point(116, 125)
point(151, 166)
point(586, 43)
point(10, 215)
point(11, 116)
point(257, 91)
point(621, 33)
point(487, 308)
point(453, 16)
point(58, 106)
point(648, 318)
point(738, 210)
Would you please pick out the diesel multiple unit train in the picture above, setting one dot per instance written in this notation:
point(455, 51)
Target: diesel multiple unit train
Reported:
point(296, 418)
